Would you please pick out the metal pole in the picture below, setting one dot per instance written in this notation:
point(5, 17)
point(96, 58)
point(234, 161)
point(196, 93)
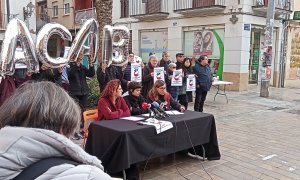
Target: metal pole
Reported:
point(268, 48)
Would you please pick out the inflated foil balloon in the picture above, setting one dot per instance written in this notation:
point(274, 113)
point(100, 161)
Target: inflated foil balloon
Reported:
point(17, 30)
point(115, 45)
point(42, 40)
point(107, 45)
point(90, 29)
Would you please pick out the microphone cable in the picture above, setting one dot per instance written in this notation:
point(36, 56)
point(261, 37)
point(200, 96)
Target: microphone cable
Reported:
point(174, 154)
point(188, 131)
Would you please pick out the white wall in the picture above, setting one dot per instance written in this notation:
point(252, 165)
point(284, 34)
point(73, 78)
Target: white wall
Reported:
point(16, 7)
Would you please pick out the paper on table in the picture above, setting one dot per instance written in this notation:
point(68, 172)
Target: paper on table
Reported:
point(160, 126)
point(174, 112)
point(146, 115)
point(133, 118)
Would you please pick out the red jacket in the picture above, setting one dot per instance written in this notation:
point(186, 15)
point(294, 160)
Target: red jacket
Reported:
point(108, 111)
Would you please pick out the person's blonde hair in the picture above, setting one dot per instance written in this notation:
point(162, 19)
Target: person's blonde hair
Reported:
point(153, 91)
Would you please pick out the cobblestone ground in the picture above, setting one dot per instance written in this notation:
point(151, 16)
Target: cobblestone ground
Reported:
point(258, 138)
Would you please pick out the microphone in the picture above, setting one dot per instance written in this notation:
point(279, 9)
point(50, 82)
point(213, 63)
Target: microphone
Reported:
point(147, 106)
point(156, 105)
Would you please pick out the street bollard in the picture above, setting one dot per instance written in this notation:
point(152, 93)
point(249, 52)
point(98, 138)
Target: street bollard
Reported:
point(264, 88)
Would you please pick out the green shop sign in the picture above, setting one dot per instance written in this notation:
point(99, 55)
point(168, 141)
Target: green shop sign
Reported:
point(296, 15)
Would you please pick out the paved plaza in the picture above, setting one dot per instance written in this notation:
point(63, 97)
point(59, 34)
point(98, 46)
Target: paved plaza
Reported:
point(258, 138)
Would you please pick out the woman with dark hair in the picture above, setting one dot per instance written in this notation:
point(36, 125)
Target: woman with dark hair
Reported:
point(207, 42)
point(36, 123)
point(134, 99)
point(159, 94)
point(186, 97)
point(111, 104)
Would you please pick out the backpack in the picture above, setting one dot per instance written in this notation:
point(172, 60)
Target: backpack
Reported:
point(40, 167)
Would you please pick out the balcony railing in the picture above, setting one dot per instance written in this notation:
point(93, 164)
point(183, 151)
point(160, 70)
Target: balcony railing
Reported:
point(280, 4)
point(148, 10)
point(4, 20)
point(42, 20)
point(198, 7)
point(193, 4)
point(84, 14)
point(281, 7)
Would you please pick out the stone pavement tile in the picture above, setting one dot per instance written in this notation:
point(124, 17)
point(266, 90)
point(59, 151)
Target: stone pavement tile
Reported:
point(247, 171)
point(149, 175)
point(207, 175)
point(175, 175)
point(195, 177)
point(222, 174)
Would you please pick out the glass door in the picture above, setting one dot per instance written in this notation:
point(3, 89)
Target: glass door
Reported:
point(254, 57)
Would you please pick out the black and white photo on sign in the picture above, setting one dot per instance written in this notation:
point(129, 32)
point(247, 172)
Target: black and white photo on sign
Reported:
point(177, 78)
point(136, 72)
point(159, 74)
point(191, 83)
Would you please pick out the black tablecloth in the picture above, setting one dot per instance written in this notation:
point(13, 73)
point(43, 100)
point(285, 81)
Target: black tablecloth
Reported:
point(120, 143)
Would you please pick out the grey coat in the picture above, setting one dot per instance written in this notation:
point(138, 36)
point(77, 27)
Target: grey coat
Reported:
point(20, 147)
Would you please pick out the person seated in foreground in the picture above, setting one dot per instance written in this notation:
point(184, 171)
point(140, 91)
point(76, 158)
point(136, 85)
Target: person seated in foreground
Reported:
point(159, 94)
point(36, 122)
point(134, 99)
point(111, 104)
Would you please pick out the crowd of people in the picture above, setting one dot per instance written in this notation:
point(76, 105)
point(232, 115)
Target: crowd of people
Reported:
point(43, 105)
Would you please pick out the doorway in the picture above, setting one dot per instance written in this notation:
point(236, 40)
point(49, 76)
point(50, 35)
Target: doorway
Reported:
point(254, 56)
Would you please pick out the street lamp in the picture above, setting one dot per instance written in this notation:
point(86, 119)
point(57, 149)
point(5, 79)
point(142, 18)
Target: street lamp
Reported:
point(28, 10)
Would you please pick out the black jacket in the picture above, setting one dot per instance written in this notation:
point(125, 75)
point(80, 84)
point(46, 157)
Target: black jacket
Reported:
point(135, 104)
point(47, 75)
point(77, 79)
point(165, 64)
point(111, 72)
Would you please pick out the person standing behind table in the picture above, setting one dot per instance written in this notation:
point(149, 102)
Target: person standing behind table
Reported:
point(78, 87)
point(186, 96)
point(48, 74)
point(148, 75)
point(174, 90)
point(106, 74)
point(35, 124)
point(126, 71)
point(111, 104)
point(135, 100)
point(165, 61)
point(158, 93)
point(179, 65)
point(203, 82)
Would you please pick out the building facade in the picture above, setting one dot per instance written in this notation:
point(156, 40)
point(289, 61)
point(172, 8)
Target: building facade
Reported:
point(229, 32)
point(71, 14)
point(292, 60)
point(10, 9)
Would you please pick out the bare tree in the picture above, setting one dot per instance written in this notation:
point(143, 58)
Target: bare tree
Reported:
point(104, 17)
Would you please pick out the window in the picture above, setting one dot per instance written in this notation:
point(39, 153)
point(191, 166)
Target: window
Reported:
point(124, 8)
point(55, 11)
point(67, 8)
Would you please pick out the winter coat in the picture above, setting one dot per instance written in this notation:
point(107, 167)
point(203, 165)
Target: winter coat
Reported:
point(173, 90)
point(203, 76)
point(7, 88)
point(165, 64)
point(111, 72)
point(77, 79)
point(186, 73)
point(168, 100)
point(51, 75)
point(108, 111)
point(126, 77)
point(147, 79)
point(20, 147)
point(135, 104)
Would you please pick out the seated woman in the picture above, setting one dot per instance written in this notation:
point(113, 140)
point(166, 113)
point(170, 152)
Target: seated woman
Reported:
point(158, 93)
point(135, 100)
point(36, 122)
point(111, 104)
